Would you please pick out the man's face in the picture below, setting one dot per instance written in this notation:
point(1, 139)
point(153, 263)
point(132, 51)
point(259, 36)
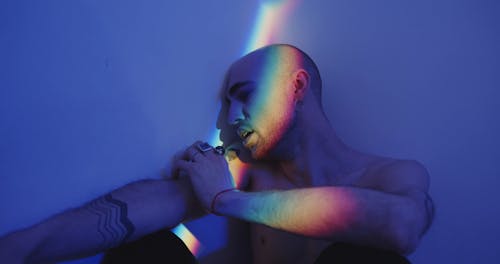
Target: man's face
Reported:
point(259, 102)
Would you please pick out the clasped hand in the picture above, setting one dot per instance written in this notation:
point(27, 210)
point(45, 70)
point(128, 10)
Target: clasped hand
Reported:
point(207, 170)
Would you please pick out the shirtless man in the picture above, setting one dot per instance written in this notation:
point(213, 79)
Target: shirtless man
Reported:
point(298, 184)
point(303, 188)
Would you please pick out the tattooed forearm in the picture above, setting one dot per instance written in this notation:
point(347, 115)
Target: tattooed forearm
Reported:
point(113, 223)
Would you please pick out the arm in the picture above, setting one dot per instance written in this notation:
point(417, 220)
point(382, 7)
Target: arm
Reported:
point(331, 213)
point(393, 218)
point(392, 213)
point(120, 216)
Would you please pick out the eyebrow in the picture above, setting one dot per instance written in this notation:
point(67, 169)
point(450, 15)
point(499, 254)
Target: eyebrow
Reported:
point(235, 87)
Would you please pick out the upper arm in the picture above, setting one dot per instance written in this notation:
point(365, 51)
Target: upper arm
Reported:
point(402, 177)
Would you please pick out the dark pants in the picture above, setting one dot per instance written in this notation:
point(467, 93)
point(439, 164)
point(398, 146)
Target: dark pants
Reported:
point(344, 253)
point(165, 247)
point(159, 247)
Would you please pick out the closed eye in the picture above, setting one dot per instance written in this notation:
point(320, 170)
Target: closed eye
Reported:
point(244, 94)
point(241, 91)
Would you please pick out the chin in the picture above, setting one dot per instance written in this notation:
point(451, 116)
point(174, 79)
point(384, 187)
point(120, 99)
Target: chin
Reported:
point(257, 155)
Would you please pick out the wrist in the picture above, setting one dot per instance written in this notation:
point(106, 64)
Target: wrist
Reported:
point(217, 196)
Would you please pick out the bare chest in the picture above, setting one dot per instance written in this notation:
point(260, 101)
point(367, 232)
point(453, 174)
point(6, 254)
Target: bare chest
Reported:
point(276, 246)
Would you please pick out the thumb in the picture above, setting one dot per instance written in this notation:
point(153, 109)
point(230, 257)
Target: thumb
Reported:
point(180, 168)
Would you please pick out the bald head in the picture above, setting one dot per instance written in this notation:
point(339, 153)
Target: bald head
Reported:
point(281, 60)
point(262, 93)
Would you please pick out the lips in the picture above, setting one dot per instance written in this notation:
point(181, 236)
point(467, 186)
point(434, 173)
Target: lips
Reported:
point(244, 133)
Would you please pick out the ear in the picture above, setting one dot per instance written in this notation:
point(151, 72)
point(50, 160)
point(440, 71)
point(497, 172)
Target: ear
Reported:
point(300, 84)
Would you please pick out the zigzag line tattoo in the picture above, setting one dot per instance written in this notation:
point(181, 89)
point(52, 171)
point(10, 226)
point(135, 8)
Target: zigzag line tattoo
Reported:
point(113, 223)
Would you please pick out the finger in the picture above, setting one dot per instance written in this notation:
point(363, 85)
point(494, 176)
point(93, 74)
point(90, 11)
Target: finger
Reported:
point(180, 167)
point(185, 154)
point(174, 173)
point(175, 169)
point(167, 174)
point(202, 146)
point(214, 155)
point(179, 155)
point(194, 150)
point(197, 142)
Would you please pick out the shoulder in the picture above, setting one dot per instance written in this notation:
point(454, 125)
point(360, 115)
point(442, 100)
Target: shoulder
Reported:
point(399, 176)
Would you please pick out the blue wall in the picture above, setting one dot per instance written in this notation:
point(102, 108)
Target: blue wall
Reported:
point(95, 94)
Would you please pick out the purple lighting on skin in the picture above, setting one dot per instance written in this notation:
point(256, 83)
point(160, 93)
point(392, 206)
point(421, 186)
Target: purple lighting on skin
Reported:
point(269, 21)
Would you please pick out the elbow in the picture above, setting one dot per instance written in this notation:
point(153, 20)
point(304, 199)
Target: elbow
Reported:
point(406, 230)
point(405, 242)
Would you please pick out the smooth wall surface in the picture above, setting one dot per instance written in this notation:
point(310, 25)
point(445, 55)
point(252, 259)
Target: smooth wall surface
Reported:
point(96, 94)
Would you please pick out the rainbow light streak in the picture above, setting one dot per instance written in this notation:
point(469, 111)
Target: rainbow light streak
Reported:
point(270, 106)
point(188, 238)
point(237, 168)
point(334, 209)
point(269, 22)
point(271, 17)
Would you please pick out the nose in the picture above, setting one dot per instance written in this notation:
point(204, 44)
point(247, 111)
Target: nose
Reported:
point(236, 113)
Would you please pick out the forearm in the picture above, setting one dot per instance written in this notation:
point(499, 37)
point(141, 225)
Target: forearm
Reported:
point(120, 216)
point(333, 213)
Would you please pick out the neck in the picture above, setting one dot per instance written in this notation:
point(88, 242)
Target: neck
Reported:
point(317, 150)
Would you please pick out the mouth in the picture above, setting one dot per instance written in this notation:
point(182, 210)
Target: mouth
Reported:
point(244, 134)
